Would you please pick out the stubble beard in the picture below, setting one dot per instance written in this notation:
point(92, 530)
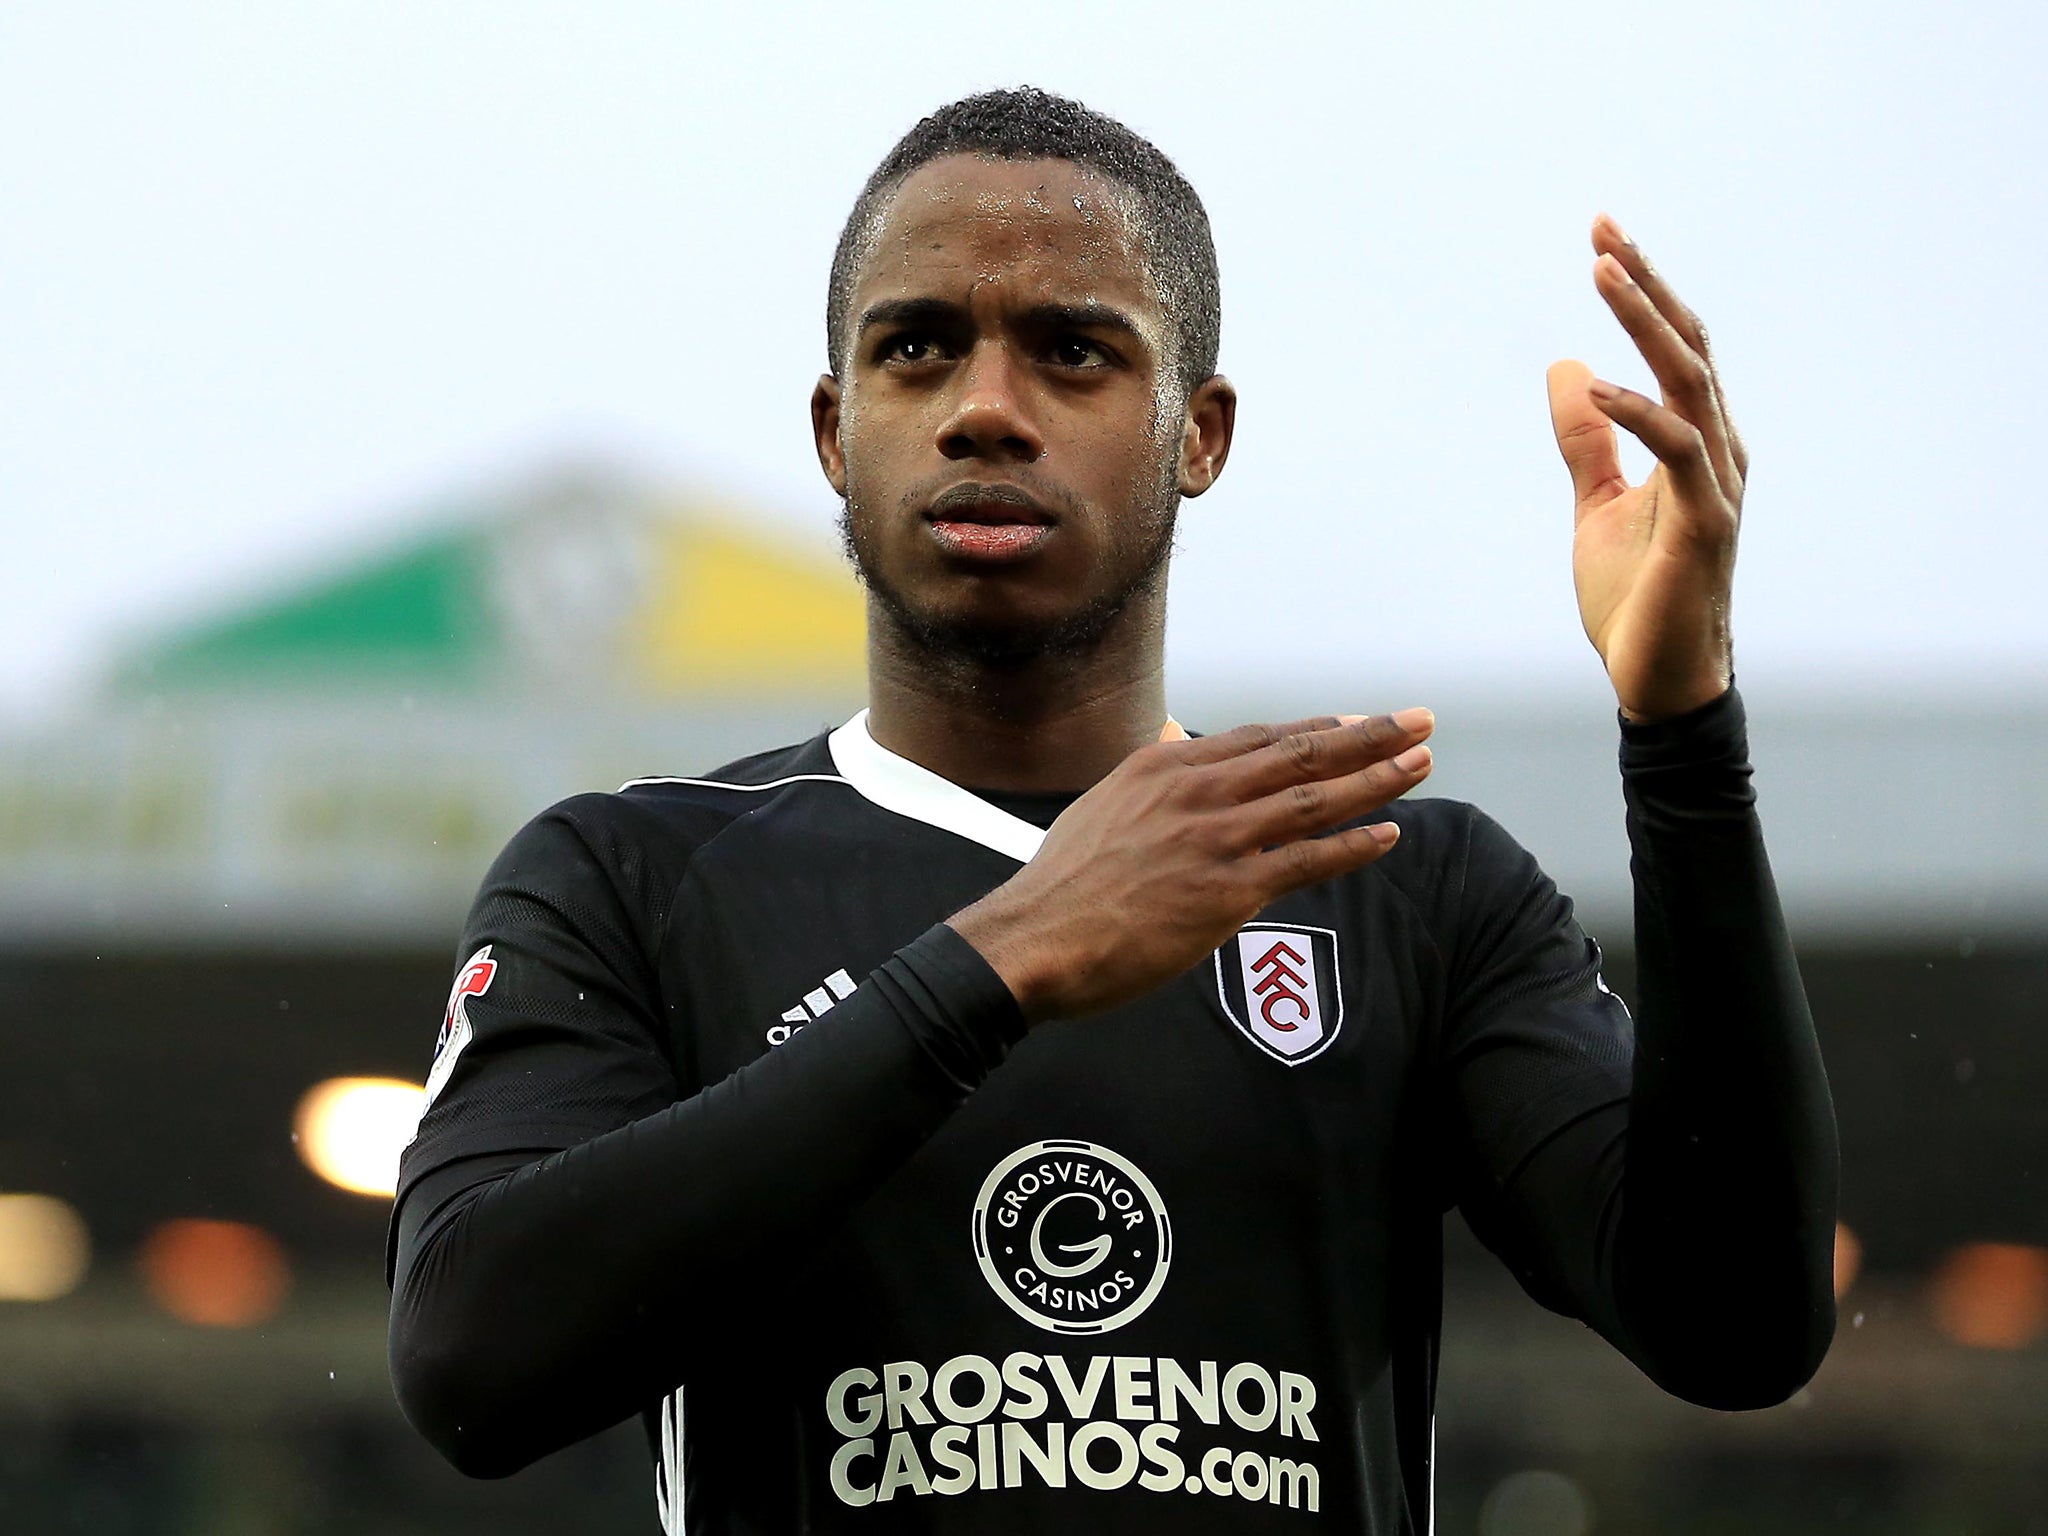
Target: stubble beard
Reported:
point(967, 645)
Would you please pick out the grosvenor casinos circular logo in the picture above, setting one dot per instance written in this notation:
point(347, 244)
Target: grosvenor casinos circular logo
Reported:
point(1072, 1236)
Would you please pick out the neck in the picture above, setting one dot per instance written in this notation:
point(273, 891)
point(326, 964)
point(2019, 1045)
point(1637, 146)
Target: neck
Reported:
point(1053, 723)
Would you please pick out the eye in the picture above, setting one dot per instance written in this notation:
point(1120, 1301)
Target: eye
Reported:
point(1079, 352)
point(910, 347)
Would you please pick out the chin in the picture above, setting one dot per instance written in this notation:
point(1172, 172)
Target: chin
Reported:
point(1005, 640)
point(983, 640)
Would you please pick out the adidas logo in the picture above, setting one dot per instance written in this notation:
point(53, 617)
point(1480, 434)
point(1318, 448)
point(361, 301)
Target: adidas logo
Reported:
point(816, 1004)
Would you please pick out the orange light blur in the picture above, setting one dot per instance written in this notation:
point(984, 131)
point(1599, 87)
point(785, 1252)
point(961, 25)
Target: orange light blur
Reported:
point(215, 1274)
point(1848, 1259)
point(351, 1130)
point(1992, 1295)
point(44, 1248)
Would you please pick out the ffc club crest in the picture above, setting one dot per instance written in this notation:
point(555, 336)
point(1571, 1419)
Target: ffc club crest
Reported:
point(1280, 986)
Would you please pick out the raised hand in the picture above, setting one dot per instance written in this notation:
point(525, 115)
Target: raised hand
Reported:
point(1182, 845)
point(1653, 563)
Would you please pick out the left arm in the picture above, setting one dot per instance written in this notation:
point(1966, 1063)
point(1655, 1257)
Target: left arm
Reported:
point(1692, 1223)
point(1683, 1205)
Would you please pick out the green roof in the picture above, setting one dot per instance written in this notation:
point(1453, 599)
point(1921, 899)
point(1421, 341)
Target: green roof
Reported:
point(421, 612)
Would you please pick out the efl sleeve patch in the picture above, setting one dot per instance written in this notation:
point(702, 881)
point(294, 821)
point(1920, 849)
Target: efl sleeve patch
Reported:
point(473, 980)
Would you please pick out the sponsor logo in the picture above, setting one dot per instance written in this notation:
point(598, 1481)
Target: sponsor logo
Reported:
point(473, 980)
point(815, 1005)
point(1072, 1236)
point(908, 1430)
point(1280, 986)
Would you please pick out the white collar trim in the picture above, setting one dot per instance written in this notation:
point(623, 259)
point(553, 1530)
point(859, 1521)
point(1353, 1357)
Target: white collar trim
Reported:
point(897, 784)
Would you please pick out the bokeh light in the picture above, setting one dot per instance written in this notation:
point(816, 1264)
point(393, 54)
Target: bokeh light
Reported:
point(1848, 1259)
point(215, 1274)
point(44, 1248)
point(1992, 1295)
point(350, 1130)
point(1536, 1503)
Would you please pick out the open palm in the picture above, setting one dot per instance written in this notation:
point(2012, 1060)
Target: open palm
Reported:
point(1653, 563)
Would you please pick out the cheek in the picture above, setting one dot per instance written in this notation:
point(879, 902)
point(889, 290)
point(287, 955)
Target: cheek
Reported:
point(1147, 459)
point(866, 453)
point(1145, 493)
point(879, 434)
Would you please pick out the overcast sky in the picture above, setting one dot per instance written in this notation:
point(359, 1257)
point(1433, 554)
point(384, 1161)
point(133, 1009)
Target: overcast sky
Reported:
point(276, 279)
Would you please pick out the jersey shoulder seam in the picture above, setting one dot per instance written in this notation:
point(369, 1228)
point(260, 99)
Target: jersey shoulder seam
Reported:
point(654, 940)
point(1461, 813)
point(744, 814)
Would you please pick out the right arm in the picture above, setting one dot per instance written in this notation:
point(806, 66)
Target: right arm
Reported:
point(525, 1291)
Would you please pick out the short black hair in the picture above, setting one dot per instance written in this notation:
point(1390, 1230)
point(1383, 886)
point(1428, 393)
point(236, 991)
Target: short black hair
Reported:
point(1031, 124)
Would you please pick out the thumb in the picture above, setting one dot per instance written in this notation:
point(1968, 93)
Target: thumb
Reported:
point(1584, 436)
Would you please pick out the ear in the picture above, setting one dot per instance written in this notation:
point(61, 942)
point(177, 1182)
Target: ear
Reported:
point(825, 431)
point(1205, 435)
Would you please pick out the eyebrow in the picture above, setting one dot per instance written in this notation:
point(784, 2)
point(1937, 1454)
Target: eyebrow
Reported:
point(909, 312)
point(1047, 317)
point(1082, 317)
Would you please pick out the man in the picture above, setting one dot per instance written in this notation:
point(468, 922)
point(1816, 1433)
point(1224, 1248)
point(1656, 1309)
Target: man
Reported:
point(1008, 1110)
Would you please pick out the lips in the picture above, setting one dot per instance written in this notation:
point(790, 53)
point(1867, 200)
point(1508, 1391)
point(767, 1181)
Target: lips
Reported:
point(990, 524)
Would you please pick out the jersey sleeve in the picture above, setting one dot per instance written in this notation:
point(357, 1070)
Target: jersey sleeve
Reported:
point(553, 1030)
point(1671, 1184)
point(1532, 1038)
point(569, 1183)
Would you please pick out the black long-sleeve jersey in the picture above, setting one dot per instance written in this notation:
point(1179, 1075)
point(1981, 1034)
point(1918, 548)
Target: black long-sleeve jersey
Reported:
point(728, 1128)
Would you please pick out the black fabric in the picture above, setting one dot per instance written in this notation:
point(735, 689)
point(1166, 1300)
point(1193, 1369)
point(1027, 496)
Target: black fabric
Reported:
point(1693, 1222)
point(680, 1147)
point(1039, 807)
point(589, 1236)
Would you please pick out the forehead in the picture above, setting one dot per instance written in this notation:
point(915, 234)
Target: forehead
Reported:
point(1044, 228)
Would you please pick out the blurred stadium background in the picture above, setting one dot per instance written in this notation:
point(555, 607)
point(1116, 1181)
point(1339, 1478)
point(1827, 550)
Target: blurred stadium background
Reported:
point(270, 700)
point(232, 891)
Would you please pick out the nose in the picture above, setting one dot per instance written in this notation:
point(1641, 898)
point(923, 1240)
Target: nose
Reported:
point(990, 419)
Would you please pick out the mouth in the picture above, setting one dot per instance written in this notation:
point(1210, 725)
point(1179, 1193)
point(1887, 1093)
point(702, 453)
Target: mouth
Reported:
point(989, 524)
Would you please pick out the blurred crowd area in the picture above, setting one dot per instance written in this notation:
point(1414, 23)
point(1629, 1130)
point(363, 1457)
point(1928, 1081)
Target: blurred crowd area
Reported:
point(231, 888)
point(214, 1360)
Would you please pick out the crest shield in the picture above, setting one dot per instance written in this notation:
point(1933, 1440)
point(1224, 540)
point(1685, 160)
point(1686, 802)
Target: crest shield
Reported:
point(1279, 984)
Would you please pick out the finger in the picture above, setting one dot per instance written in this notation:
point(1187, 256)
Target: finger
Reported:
point(1678, 444)
point(1244, 738)
point(1684, 374)
point(1584, 436)
point(1687, 381)
point(1316, 859)
point(1315, 806)
point(1609, 238)
point(1301, 757)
